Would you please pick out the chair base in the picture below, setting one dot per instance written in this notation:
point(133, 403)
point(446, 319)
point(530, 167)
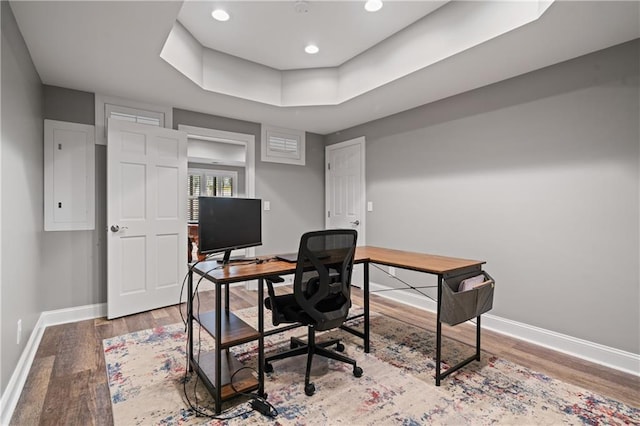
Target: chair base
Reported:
point(299, 347)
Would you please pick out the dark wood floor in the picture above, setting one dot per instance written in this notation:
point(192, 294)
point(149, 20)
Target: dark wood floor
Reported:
point(67, 383)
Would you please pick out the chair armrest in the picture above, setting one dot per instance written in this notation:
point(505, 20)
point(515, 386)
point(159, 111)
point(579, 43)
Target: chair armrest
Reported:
point(272, 294)
point(275, 315)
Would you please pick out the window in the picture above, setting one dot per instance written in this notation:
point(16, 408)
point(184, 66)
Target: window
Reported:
point(125, 109)
point(134, 116)
point(283, 145)
point(209, 183)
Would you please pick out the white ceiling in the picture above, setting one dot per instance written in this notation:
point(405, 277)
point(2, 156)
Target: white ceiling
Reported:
point(113, 47)
point(341, 30)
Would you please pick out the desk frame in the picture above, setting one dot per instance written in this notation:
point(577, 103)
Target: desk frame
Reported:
point(442, 267)
point(215, 388)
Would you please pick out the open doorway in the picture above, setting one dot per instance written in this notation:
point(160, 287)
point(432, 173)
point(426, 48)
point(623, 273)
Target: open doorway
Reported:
point(220, 163)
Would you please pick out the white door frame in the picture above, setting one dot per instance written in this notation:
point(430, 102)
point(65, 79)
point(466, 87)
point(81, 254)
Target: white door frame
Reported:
point(249, 142)
point(233, 138)
point(362, 239)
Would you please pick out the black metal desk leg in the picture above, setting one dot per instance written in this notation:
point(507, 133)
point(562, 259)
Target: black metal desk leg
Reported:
point(190, 319)
point(218, 351)
point(366, 307)
point(478, 338)
point(438, 332)
point(261, 337)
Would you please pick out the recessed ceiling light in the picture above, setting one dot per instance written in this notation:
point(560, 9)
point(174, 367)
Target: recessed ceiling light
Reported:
point(220, 15)
point(373, 5)
point(301, 6)
point(311, 49)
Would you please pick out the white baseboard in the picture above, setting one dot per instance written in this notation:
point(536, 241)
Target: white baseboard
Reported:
point(19, 377)
point(594, 352)
point(80, 313)
point(13, 390)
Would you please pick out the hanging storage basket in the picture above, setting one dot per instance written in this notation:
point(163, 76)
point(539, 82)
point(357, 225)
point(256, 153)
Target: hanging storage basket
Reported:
point(460, 306)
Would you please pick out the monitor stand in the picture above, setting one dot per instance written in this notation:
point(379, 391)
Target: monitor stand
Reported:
point(226, 259)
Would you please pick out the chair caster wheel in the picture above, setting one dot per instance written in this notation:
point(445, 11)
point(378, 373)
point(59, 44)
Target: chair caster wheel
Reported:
point(268, 368)
point(357, 371)
point(340, 347)
point(309, 389)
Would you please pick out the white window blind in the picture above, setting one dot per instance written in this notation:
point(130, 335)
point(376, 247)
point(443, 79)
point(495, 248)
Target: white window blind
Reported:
point(283, 145)
point(151, 121)
point(194, 192)
point(107, 107)
point(208, 183)
point(133, 115)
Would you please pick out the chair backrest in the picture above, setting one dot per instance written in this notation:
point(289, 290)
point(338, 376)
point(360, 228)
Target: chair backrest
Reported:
point(322, 283)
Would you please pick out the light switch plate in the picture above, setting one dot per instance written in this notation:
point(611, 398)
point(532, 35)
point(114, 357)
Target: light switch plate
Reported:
point(267, 205)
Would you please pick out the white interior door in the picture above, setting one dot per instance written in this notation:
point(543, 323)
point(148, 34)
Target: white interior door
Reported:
point(146, 217)
point(345, 191)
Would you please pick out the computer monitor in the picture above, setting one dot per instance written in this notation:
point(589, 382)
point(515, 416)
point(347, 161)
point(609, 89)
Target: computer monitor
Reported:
point(226, 224)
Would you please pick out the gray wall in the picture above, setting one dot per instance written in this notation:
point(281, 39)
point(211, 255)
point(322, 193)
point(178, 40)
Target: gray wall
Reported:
point(75, 261)
point(71, 266)
point(296, 193)
point(21, 176)
point(538, 175)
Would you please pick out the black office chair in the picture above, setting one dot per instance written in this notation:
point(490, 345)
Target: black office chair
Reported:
point(321, 296)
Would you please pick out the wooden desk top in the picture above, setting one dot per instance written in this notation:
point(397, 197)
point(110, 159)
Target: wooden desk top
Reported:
point(421, 262)
point(237, 272)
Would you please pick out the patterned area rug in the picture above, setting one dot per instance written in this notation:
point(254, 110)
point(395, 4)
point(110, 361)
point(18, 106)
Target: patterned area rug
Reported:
point(147, 381)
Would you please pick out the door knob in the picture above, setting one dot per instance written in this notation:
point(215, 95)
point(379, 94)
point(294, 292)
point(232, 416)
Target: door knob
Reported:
point(356, 222)
point(115, 228)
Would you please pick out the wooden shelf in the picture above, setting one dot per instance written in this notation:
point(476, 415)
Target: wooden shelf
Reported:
point(234, 330)
point(243, 381)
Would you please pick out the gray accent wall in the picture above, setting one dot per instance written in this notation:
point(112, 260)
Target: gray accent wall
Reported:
point(75, 261)
point(21, 177)
point(539, 176)
point(296, 193)
point(70, 105)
